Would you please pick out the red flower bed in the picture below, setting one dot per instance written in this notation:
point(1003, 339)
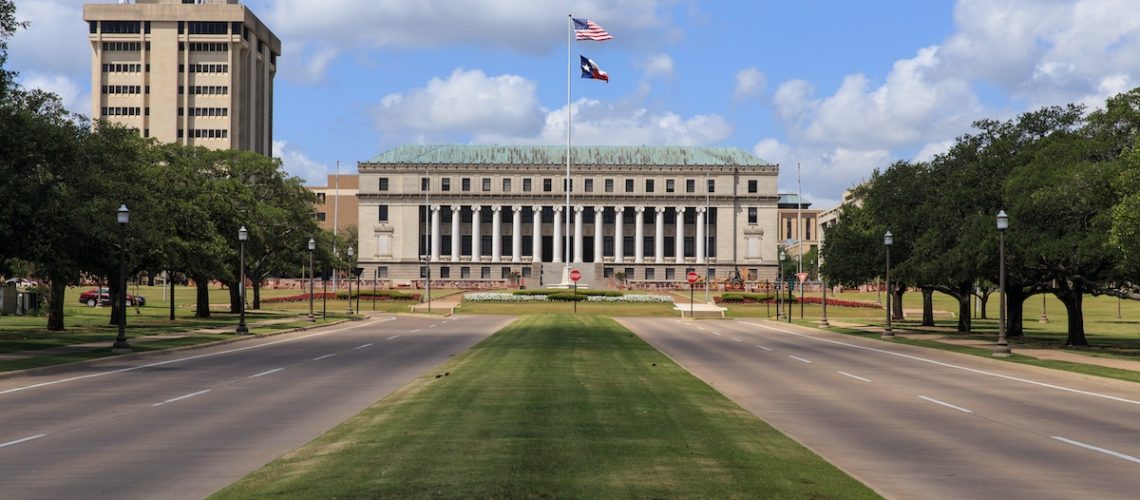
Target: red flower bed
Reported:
point(806, 300)
point(304, 297)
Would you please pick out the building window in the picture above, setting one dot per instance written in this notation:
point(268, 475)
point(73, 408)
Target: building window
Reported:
point(465, 184)
point(320, 216)
point(609, 185)
point(445, 184)
point(321, 196)
point(528, 185)
point(486, 184)
point(712, 185)
point(507, 185)
point(753, 186)
point(425, 183)
point(589, 186)
point(648, 185)
point(650, 273)
point(445, 272)
point(788, 232)
point(670, 274)
point(807, 231)
point(547, 185)
point(669, 185)
point(383, 217)
point(383, 183)
point(485, 272)
point(629, 185)
point(752, 215)
point(690, 186)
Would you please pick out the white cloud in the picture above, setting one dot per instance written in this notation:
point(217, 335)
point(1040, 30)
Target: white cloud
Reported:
point(468, 101)
point(825, 171)
point(55, 41)
point(298, 165)
point(306, 63)
point(658, 65)
point(749, 83)
point(931, 149)
point(74, 97)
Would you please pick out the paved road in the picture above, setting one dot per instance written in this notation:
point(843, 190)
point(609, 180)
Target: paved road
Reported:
point(918, 423)
point(187, 424)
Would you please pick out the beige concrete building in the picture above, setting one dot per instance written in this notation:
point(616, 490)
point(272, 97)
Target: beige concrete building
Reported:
point(477, 214)
point(337, 205)
point(799, 223)
point(186, 71)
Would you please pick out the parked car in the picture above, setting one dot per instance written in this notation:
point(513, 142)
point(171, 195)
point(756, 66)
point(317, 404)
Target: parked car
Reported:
point(102, 296)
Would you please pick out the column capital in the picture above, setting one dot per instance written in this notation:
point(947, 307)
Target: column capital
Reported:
point(557, 208)
point(619, 209)
point(680, 210)
point(536, 208)
point(496, 208)
point(599, 209)
point(579, 209)
point(639, 209)
point(476, 208)
point(700, 210)
point(661, 210)
point(456, 208)
point(516, 208)
point(435, 208)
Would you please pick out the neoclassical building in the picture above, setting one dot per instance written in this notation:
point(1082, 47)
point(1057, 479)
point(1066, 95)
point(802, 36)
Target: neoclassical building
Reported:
point(482, 213)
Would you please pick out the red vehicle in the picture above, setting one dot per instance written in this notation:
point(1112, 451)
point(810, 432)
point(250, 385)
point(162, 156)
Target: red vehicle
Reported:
point(102, 296)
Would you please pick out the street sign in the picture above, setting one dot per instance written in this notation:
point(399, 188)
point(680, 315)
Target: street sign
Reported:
point(692, 277)
point(575, 275)
point(802, 277)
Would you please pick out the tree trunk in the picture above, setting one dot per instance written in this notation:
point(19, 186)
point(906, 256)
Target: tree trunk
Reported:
point(896, 302)
point(235, 296)
point(964, 320)
point(256, 294)
point(55, 304)
point(1015, 313)
point(985, 297)
point(927, 307)
point(113, 291)
point(1073, 299)
point(202, 286)
point(170, 285)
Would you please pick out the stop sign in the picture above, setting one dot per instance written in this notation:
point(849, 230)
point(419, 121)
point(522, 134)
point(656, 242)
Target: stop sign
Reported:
point(575, 275)
point(692, 277)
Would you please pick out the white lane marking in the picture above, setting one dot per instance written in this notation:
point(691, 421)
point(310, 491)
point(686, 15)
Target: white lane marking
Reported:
point(943, 403)
point(416, 330)
point(758, 346)
point(856, 377)
point(318, 358)
point(180, 398)
point(190, 358)
point(797, 358)
point(394, 337)
point(432, 325)
point(717, 334)
point(736, 339)
point(949, 365)
point(1129, 458)
point(267, 372)
point(18, 441)
point(701, 328)
point(362, 346)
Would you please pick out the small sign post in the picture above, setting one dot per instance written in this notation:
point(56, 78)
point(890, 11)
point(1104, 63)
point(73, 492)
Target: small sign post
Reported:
point(692, 278)
point(575, 275)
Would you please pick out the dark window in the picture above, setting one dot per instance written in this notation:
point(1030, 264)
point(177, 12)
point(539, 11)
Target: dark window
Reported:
point(629, 185)
point(465, 184)
point(506, 185)
point(609, 185)
point(207, 28)
point(669, 188)
point(753, 186)
point(121, 27)
point(788, 231)
point(648, 185)
point(547, 185)
point(320, 216)
point(93, 26)
point(486, 184)
point(589, 185)
point(527, 185)
point(235, 28)
point(712, 185)
point(690, 186)
point(383, 183)
point(383, 213)
point(425, 183)
point(445, 184)
point(752, 215)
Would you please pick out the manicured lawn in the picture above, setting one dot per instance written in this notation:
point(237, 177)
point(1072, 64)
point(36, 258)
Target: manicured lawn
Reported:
point(553, 406)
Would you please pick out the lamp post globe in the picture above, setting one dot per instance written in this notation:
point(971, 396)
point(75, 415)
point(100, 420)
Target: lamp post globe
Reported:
point(312, 246)
point(888, 240)
point(243, 236)
point(350, 279)
point(122, 216)
point(1001, 350)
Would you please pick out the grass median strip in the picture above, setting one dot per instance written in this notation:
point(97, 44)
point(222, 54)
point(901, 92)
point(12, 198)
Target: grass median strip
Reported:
point(553, 406)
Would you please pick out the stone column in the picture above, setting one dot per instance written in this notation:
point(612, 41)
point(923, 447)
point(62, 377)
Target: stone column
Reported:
point(536, 236)
point(639, 235)
point(557, 233)
point(436, 236)
point(599, 235)
point(659, 236)
point(700, 235)
point(476, 239)
point(516, 233)
point(578, 233)
point(619, 240)
point(456, 236)
point(496, 233)
point(679, 243)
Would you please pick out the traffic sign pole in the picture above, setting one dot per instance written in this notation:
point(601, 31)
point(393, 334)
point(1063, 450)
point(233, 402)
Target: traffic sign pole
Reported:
point(692, 279)
point(575, 275)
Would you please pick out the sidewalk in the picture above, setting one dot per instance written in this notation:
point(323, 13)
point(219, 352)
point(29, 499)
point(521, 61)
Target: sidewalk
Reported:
point(1043, 354)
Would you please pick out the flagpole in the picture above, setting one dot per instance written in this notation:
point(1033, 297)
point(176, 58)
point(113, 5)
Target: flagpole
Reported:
point(569, 71)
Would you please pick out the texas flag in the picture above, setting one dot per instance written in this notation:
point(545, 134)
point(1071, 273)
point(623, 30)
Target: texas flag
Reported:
point(590, 69)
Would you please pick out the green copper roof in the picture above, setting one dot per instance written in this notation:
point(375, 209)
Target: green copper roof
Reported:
point(556, 155)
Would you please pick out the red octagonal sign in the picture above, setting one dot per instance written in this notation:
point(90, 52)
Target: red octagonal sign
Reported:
point(575, 275)
point(692, 277)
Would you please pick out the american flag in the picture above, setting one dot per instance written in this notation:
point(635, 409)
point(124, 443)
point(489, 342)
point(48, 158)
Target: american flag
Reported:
point(585, 29)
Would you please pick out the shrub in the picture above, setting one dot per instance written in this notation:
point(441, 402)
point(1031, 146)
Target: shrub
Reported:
point(568, 296)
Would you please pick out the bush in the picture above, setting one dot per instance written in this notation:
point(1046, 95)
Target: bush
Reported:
point(745, 298)
point(568, 296)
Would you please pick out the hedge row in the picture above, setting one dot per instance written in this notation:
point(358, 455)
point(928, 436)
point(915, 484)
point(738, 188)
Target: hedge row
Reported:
point(367, 295)
point(582, 292)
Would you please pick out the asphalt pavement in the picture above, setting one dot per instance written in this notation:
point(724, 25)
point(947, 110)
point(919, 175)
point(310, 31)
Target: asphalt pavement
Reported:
point(919, 423)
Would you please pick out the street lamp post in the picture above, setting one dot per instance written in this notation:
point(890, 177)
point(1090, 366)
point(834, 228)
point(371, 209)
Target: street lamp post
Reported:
point(888, 240)
point(121, 345)
point(1001, 350)
point(350, 279)
point(243, 235)
point(791, 281)
point(312, 246)
point(823, 287)
point(779, 286)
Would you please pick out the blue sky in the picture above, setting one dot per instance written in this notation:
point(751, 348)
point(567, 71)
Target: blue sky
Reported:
point(840, 87)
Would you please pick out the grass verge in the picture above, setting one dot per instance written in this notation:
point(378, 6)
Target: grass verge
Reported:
point(553, 406)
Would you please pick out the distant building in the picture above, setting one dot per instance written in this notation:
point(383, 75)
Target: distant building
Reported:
point(829, 217)
point(337, 204)
point(480, 213)
point(184, 71)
